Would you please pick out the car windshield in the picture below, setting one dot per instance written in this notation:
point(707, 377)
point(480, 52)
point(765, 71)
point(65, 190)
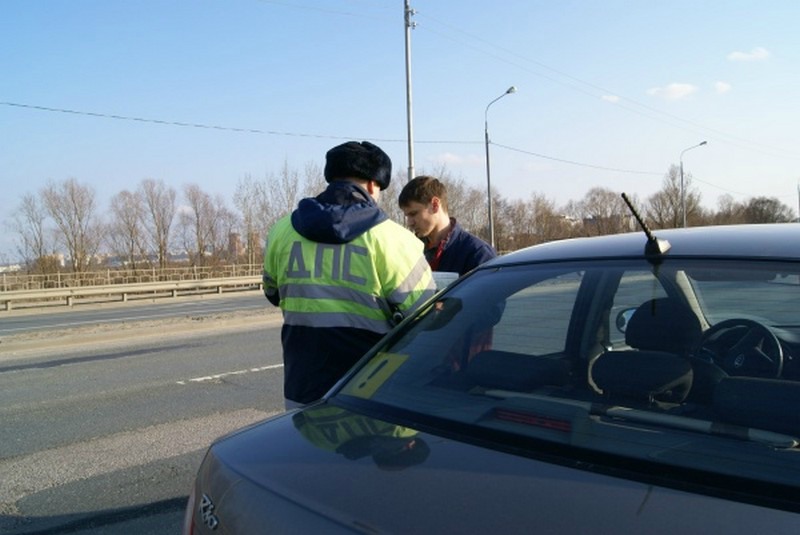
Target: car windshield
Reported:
point(690, 363)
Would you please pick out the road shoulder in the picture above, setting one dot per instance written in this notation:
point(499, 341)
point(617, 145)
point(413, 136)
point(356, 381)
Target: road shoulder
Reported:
point(120, 334)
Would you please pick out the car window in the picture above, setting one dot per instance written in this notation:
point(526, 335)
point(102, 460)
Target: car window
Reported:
point(675, 362)
point(535, 319)
point(760, 290)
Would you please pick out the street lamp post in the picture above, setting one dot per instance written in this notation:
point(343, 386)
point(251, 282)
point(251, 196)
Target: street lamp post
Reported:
point(510, 90)
point(683, 191)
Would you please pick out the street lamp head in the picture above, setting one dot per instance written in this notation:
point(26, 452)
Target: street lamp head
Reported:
point(512, 89)
point(690, 148)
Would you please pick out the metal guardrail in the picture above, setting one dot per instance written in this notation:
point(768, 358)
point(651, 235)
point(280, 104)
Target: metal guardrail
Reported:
point(124, 292)
point(19, 280)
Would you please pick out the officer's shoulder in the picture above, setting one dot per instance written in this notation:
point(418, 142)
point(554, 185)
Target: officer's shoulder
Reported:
point(281, 224)
point(391, 226)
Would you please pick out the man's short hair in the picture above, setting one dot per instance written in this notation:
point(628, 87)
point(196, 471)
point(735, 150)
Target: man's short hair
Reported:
point(423, 189)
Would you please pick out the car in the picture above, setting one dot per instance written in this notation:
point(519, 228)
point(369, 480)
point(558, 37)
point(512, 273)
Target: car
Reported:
point(646, 382)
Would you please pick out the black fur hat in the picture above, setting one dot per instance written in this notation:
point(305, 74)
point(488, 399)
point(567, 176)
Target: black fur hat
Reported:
point(358, 160)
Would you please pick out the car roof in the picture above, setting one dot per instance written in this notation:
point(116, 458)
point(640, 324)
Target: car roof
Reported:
point(765, 241)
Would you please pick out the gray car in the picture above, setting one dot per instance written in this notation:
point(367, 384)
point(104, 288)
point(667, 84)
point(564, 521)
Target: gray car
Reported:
point(635, 383)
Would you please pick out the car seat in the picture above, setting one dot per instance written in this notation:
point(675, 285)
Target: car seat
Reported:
point(661, 333)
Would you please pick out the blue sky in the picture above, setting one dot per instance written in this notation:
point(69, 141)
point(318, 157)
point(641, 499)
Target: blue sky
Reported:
point(609, 92)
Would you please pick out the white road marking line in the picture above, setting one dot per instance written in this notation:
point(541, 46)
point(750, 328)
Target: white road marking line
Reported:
point(227, 374)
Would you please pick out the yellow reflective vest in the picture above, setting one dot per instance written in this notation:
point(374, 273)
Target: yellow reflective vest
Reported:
point(339, 299)
point(359, 284)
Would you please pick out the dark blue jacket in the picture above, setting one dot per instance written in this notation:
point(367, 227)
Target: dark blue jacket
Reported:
point(463, 251)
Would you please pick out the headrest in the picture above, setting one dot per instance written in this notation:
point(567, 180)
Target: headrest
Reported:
point(643, 375)
point(663, 325)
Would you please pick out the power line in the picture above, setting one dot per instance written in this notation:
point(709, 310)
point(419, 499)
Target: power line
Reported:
point(628, 171)
point(740, 193)
point(579, 85)
point(596, 92)
point(163, 122)
point(218, 127)
point(572, 162)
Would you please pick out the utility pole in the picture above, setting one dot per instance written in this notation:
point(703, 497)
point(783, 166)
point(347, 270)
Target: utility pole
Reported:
point(410, 25)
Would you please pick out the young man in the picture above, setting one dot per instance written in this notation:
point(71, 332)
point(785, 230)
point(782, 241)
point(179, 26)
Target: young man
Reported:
point(341, 271)
point(448, 247)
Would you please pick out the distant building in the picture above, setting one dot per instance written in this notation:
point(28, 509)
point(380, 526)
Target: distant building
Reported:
point(235, 246)
point(10, 268)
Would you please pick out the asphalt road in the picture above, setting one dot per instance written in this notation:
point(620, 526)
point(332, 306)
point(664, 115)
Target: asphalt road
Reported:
point(102, 427)
point(62, 317)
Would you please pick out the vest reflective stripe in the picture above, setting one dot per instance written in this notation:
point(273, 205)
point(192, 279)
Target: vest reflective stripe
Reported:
point(412, 282)
point(321, 284)
point(335, 319)
point(318, 291)
point(316, 299)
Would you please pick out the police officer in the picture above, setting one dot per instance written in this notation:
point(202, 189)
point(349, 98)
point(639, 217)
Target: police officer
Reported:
point(341, 271)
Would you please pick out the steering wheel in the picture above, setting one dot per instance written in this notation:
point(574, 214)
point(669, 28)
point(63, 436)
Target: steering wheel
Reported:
point(743, 347)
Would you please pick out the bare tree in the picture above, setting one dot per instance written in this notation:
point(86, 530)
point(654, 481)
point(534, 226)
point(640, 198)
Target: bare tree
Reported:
point(158, 217)
point(602, 211)
point(125, 227)
point(474, 216)
point(729, 212)
point(247, 199)
point(458, 196)
point(665, 207)
point(261, 203)
point(388, 198)
point(284, 190)
point(520, 224)
point(71, 205)
point(503, 233)
point(208, 227)
point(197, 223)
point(767, 210)
point(314, 182)
point(536, 221)
point(223, 237)
point(551, 221)
point(35, 245)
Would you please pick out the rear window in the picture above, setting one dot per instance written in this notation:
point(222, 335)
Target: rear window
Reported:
point(690, 363)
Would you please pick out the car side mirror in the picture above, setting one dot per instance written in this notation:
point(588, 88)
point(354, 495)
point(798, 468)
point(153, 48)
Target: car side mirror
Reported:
point(623, 318)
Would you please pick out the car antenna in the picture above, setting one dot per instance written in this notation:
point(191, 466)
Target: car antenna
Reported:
point(654, 246)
